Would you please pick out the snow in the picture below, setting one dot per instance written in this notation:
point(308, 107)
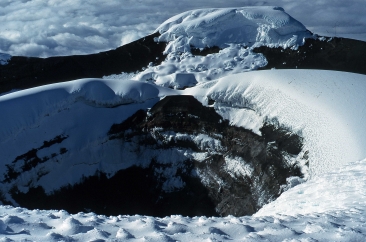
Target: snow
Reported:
point(237, 31)
point(327, 108)
point(341, 189)
point(237, 167)
point(55, 97)
point(202, 28)
point(180, 70)
point(327, 208)
point(66, 109)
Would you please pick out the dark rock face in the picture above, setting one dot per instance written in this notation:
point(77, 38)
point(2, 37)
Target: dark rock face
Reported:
point(30, 159)
point(339, 54)
point(211, 186)
point(26, 72)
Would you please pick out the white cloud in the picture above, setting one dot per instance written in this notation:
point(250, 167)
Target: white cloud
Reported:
point(60, 27)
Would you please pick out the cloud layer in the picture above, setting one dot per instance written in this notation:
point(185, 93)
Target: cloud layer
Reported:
point(67, 27)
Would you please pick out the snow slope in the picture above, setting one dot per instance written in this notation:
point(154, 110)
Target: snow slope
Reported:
point(328, 208)
point(327, 108)
point(340, 190)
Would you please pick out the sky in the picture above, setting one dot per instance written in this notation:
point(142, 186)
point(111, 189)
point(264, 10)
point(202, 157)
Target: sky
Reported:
point(45, 28)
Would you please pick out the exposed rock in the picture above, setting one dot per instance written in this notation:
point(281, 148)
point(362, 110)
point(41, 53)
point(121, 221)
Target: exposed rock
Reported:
point(30, 159)
point(205, 51)
point(339, 54)
point(26, 72)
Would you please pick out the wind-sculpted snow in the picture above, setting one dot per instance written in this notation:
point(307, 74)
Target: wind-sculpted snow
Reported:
point(328, 208)
point(217, 27)
point(327, 108)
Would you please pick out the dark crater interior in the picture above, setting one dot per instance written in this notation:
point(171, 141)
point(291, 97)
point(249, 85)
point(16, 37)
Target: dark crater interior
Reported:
point(215, 192)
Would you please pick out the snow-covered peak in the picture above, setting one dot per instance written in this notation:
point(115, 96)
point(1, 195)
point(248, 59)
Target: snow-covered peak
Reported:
point(218, 27)
point(236, 31)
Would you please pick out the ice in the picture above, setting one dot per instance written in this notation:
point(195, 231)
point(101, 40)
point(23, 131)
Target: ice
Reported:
point(217, 27)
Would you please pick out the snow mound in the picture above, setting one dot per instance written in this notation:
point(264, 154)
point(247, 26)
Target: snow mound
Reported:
point(202, 28)
point(327, 108)
point(4, 58)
